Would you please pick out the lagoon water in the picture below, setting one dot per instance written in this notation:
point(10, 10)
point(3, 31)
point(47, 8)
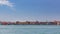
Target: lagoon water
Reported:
point(29, 29)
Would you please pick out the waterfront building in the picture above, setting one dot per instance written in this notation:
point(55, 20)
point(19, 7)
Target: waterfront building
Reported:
point(43, 23)
point(4, 23)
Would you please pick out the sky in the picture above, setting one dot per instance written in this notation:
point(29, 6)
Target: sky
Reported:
point(29, 10)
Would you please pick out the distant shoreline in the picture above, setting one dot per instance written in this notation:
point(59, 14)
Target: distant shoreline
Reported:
point(30, 23)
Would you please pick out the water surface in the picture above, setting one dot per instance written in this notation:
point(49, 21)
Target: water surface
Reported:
point(29, 29)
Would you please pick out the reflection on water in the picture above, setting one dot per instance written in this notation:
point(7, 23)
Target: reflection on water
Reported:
point(29, 29)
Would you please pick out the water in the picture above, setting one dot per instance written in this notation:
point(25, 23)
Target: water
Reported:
point(29, 29)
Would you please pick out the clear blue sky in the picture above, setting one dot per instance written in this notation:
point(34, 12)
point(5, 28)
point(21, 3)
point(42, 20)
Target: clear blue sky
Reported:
point(40, 10)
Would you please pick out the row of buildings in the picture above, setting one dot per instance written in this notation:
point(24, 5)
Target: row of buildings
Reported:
point(30, 23)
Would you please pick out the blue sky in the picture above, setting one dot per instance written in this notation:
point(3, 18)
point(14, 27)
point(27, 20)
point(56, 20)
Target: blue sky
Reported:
point(30, 10)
